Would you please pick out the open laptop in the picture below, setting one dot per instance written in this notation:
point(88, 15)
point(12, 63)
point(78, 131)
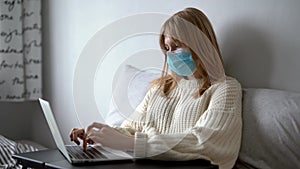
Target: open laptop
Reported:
point(74, 153)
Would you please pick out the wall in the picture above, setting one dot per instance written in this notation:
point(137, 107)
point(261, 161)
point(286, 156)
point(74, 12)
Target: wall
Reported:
point(15, 119)
point(258, 39)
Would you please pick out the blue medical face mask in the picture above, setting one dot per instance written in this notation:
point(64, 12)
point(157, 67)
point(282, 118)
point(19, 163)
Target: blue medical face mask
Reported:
point(181, 62)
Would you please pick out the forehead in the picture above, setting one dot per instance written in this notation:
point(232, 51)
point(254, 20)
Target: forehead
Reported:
point(170, 39)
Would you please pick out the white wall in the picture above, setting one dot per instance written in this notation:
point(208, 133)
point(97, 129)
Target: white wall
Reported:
point(259, 40)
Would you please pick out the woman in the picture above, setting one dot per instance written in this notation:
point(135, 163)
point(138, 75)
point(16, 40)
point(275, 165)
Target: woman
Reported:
point(192, 113)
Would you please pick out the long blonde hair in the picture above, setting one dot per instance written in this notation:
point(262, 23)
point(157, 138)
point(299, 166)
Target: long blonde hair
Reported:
point(205, 41)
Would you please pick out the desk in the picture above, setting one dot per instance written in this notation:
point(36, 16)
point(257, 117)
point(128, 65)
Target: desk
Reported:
point(53, 159)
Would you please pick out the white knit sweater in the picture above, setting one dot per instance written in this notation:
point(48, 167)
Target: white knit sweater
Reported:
point(182, 127)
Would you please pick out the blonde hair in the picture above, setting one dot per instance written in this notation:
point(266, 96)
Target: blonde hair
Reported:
point(177, 28)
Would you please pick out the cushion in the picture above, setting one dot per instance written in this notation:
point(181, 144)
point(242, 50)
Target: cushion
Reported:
point(129, 90)
point(271, 135)
point(29, 143)
point(8, 148)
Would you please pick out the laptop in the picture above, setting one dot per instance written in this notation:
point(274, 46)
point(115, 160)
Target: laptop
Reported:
point(74, 153)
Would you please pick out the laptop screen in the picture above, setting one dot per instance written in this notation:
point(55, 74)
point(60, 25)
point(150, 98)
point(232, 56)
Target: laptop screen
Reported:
point(53, 127)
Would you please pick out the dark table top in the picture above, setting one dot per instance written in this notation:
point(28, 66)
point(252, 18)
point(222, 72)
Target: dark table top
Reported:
point(54, 159)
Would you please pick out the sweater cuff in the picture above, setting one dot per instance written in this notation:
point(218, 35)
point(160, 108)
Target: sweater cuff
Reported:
point(140, 143)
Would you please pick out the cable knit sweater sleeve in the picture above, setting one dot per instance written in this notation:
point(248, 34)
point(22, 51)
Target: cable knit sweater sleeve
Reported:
point(216, 135)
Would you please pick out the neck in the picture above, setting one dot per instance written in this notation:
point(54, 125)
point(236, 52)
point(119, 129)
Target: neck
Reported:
point(191, 77)
point(188, 77)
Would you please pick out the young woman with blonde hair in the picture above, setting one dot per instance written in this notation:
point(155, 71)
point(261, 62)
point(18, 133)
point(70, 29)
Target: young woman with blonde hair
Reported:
point(194, 112)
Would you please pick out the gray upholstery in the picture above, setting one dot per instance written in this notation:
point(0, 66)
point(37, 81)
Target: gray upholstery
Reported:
point(271, 124)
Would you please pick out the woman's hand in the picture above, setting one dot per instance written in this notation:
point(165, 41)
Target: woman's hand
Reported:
point(77, 134)
point(109, 137)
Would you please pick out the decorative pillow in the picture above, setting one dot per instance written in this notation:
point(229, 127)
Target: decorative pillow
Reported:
point(271, 130)
point(8, 148)
point(131, 87)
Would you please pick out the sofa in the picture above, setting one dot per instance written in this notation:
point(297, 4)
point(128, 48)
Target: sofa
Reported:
point(271, 120)
point(271, 129)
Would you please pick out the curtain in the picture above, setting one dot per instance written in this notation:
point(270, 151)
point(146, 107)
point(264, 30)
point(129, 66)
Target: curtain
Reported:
point(20, 50)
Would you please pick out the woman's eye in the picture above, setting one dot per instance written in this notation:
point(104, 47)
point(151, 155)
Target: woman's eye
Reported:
point(177, 45)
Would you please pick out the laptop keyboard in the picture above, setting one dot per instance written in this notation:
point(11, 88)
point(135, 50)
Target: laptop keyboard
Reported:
point(76, 152)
